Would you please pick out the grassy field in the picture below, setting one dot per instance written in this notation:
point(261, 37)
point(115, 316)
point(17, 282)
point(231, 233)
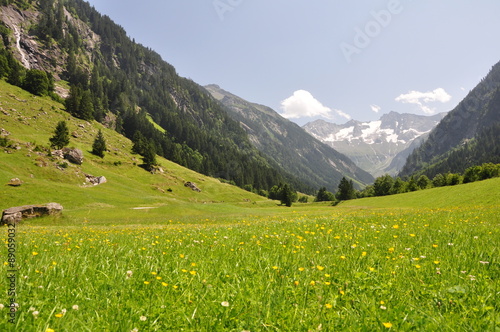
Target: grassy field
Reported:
point(360, 266)
point(225, 259)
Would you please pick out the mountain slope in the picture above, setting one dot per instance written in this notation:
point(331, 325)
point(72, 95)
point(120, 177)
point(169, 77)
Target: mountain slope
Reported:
point(128, 87)
point(477, 114)
point(290, 146)
point(28, 121)
point(380, 147)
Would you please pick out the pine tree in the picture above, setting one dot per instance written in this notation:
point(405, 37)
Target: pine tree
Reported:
point(99, 146)
point(346, 190)
point(149, 155)
point(287, 195)
point(37, 82)
point(324, 195)
point(86, 106)
point(61, 136)
point(139, 143)
point(79, 103)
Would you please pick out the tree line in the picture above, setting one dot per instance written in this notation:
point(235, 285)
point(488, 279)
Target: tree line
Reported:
point(387, 185)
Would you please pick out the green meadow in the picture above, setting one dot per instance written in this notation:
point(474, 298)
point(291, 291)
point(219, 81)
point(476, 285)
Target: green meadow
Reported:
point(144, 253)
point(309, 268)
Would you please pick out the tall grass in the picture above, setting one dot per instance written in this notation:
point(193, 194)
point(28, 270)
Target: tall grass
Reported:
point(359, 270)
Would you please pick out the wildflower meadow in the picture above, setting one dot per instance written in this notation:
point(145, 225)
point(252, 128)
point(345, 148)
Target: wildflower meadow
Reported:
point(329, 269)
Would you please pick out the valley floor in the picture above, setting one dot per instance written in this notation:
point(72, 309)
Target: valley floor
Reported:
point(400, 263)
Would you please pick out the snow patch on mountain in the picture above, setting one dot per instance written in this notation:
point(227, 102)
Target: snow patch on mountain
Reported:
point(375, 145)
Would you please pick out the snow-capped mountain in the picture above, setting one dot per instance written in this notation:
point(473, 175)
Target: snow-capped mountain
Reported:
point(379, 147)
point(289, 146)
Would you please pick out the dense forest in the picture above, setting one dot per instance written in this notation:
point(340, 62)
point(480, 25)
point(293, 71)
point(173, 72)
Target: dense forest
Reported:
point(128, 86)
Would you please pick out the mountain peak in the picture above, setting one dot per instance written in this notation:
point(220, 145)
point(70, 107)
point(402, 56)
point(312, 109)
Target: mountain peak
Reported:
point(375, 145)
point(288, 145)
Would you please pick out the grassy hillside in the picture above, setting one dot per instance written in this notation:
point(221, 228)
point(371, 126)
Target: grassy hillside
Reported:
point(31, 121)
point(482, 193)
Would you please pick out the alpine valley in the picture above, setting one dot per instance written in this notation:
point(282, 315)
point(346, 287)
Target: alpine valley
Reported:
point(288, 145)
point(174, 200)
point(84, 60)
point(379, 147)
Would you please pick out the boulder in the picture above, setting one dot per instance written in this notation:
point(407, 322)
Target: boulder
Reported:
point(95, 180)
point(193, 186)
point(15, 182)
point(74, 156)
point(16, 214)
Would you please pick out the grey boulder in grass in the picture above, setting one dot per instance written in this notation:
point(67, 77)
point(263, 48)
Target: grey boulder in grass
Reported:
point(17, 214)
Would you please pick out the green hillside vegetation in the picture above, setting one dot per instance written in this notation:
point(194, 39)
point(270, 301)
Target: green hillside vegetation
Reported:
point(31, 121)
point(111, 76)
point(466, 137)
point(409, 262)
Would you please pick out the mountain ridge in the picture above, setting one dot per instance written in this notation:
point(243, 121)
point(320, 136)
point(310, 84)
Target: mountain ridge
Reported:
point(477, 113)
point(380, 146)
point(289, 145)
point(128, 87)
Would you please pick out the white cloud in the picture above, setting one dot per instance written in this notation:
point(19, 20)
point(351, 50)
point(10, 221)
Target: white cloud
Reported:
point(375, 108)
point(342, 114)
point(302, 104)
point(423, 98)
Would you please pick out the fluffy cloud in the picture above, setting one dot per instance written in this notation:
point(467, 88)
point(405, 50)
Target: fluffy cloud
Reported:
point(302, 104)
point(375, 108)
point(423, 98)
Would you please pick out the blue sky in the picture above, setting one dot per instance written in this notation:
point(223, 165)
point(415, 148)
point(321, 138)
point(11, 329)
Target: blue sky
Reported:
point(327, 59)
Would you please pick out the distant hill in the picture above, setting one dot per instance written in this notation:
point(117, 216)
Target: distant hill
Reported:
point(468, 136)
point(379, 147)
point(289, 146)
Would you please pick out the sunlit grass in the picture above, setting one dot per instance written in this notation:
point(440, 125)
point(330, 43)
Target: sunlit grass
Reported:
point(421, 269)
point(228, 260)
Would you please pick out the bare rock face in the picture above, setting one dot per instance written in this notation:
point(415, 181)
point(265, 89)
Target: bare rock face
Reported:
point(193, 186)
point(74, 156)
point(17, 214)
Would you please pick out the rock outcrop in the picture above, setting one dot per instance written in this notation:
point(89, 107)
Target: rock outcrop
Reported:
point(74, 156)
point(95, 180)
point(16, 214)
point(193, 186)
